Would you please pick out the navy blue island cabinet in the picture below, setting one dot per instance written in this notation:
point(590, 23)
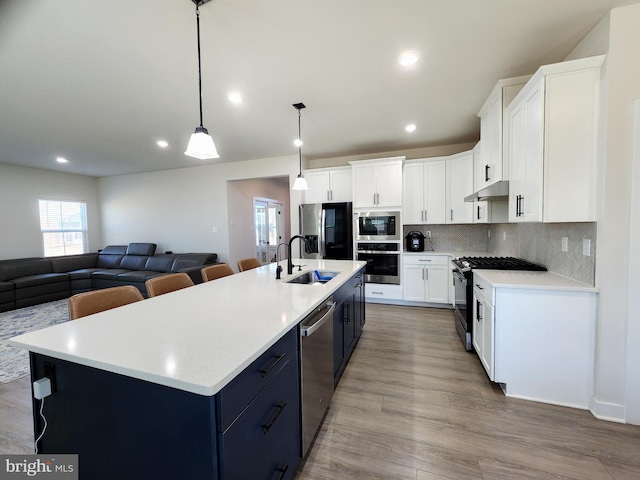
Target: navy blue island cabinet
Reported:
point(126, 428)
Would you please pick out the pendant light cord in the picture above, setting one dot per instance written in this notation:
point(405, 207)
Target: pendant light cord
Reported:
point(299, 143)
point(199, 64)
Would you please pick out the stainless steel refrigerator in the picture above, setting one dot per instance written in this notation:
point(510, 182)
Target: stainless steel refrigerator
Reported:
point(328, 228)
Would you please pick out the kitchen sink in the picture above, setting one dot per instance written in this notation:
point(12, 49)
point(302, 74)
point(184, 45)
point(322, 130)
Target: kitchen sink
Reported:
point(310, 278)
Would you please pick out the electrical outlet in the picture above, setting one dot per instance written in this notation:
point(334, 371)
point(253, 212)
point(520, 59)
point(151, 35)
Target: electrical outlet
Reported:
point(586, 247)
point(428, 234)
point(565, 244)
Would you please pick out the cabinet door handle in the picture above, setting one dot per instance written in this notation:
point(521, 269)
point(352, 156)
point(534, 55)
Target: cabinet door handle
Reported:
point(478, 212)
point(518, 206)
point(280, 409)
point(521, 205)
point(328, 195)
point(425, 215)
point(283, 471)
point(347, 313)
point(452, 214)
point(486, 173)
point(424, 259)
point(479, 287)
point(422, 215)
point(272, 365)
point(426, 274)
point(478, 305)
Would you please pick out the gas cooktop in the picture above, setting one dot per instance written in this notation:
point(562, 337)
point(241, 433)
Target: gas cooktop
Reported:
point(497, 263)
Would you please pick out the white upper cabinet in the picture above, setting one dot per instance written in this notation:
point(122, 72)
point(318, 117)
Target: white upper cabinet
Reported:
point(424, 192)
point(481, 210)
point(328, 185)
point(459, 185)
point(377, 183)
point(492, 167)
point(553, 144)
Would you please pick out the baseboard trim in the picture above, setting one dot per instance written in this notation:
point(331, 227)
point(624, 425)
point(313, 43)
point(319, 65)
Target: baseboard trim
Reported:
point(611, 412)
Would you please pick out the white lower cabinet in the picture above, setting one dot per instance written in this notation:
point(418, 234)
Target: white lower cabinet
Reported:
point(426, 278)
point(537, 342)
point(380, 293)
point(483, 328)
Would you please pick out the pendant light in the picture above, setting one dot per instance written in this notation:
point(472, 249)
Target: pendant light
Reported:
point(200, 144)
point(300, 183)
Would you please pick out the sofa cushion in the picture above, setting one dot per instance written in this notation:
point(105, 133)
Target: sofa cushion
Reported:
point(133, 262)
point(83, 273)
point(109, 261)
point(7, 286)
point(187, 260)
point(108, 274)
point(42, 279)
point(17, 269)
point(145, 249)
point(69, 263)
point(138, 276)
point(160, 263)
point(113, 250)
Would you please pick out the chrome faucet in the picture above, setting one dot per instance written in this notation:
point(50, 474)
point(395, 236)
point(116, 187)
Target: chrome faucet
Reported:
point(289, 262)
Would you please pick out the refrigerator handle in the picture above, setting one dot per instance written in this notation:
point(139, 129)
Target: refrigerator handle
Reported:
point(322, 235)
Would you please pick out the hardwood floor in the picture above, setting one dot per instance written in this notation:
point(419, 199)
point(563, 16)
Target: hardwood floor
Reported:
point(413, 404)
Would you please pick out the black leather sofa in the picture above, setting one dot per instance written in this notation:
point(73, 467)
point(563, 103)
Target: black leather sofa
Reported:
point(31, 281)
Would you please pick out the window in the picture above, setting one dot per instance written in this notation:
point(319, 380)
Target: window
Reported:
point(64, 227)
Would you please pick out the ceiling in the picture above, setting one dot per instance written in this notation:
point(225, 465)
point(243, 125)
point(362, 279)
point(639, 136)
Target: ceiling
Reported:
point(98, 82)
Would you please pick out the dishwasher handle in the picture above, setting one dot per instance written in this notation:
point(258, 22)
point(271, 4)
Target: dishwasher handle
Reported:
point(307, 329)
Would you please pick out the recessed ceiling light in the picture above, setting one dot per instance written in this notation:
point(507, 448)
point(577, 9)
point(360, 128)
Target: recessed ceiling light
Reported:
point(410, 57)
point(410, 128)
point(234, 97)
point(162, 143)
point(297, 142)
point(62, 160)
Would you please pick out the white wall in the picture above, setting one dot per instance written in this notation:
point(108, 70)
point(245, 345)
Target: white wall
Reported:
point(240, 196)
point(615, 254)
point(426, 152)
point(178, 209)
point(21, 188)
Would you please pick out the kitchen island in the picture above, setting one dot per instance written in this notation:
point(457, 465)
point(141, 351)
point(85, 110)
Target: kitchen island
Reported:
point(169, 387)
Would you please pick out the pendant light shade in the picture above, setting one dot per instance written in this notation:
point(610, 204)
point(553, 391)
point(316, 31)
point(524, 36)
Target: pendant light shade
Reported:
point(300, 183)
point(201, 144)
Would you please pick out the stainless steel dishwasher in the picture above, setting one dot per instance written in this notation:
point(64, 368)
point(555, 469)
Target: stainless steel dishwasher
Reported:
point(316, 345)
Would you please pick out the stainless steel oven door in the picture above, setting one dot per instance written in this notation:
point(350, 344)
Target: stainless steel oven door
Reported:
point(382, 267)
point(461, 304)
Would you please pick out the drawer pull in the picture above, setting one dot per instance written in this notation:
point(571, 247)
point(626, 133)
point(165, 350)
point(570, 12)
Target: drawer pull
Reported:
point(283, 471)
point(268, 426)
point(266, 371)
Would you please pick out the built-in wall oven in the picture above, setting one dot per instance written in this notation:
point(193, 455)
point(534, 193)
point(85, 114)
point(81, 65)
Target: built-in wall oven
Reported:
point(383, 261)
point(377, 226)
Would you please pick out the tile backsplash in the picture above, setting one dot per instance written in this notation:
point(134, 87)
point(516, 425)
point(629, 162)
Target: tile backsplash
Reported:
point(455, 237)
point(542, 243)
point(536, 242)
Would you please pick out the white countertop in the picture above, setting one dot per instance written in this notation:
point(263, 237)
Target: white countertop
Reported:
point(531, 280)
point(196, 339)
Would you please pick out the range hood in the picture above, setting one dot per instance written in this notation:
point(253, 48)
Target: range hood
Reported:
point(497, 191)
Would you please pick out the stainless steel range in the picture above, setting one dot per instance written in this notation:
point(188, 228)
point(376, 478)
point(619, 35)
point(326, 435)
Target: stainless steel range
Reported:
point(463, 283)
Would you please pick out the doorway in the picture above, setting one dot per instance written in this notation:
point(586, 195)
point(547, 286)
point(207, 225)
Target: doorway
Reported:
point(268, 228)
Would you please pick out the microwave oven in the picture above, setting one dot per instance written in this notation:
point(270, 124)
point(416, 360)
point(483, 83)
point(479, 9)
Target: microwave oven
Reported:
point(377, 226)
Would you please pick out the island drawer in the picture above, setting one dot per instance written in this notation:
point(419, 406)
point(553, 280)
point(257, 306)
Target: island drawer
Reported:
point(264, 441)
point(241, 390)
